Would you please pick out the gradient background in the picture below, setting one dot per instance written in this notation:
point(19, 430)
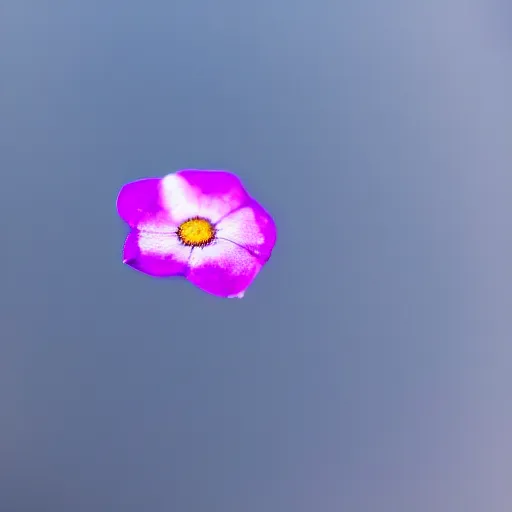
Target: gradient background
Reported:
point(369, 367)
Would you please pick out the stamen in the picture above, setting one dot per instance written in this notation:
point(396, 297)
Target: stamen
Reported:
point(196, 232)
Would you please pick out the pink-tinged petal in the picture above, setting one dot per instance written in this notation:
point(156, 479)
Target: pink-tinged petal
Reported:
point(250, 227)
point(208, 194)
point(223, 269)
point(158, 254)
point(139, 200)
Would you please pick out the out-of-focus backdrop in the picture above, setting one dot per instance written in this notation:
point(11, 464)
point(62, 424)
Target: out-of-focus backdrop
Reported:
point(369, 367)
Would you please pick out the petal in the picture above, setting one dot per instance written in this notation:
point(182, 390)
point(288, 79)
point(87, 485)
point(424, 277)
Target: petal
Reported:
point(208, 194)
point(158, 254)
point(139, 200)
point(250, 227)
point(223, 269)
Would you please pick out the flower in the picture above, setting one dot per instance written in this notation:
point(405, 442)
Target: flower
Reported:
point(201, 225)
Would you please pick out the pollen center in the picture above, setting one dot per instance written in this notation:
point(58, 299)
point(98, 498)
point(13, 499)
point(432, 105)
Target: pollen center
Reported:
point(196, 232)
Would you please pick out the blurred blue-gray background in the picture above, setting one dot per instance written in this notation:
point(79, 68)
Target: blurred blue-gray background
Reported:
point(369, 367)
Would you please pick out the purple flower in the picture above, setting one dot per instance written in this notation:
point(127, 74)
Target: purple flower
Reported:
point(198, 224)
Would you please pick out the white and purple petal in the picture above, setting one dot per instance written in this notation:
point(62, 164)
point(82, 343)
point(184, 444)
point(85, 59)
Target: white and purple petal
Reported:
point(223, 269)
point(250, 227)
point(157, 252)
point(139, 201)
point(208, 194)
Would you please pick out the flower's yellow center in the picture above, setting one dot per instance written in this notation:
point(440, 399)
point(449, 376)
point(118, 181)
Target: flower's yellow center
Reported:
point(196, 232)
